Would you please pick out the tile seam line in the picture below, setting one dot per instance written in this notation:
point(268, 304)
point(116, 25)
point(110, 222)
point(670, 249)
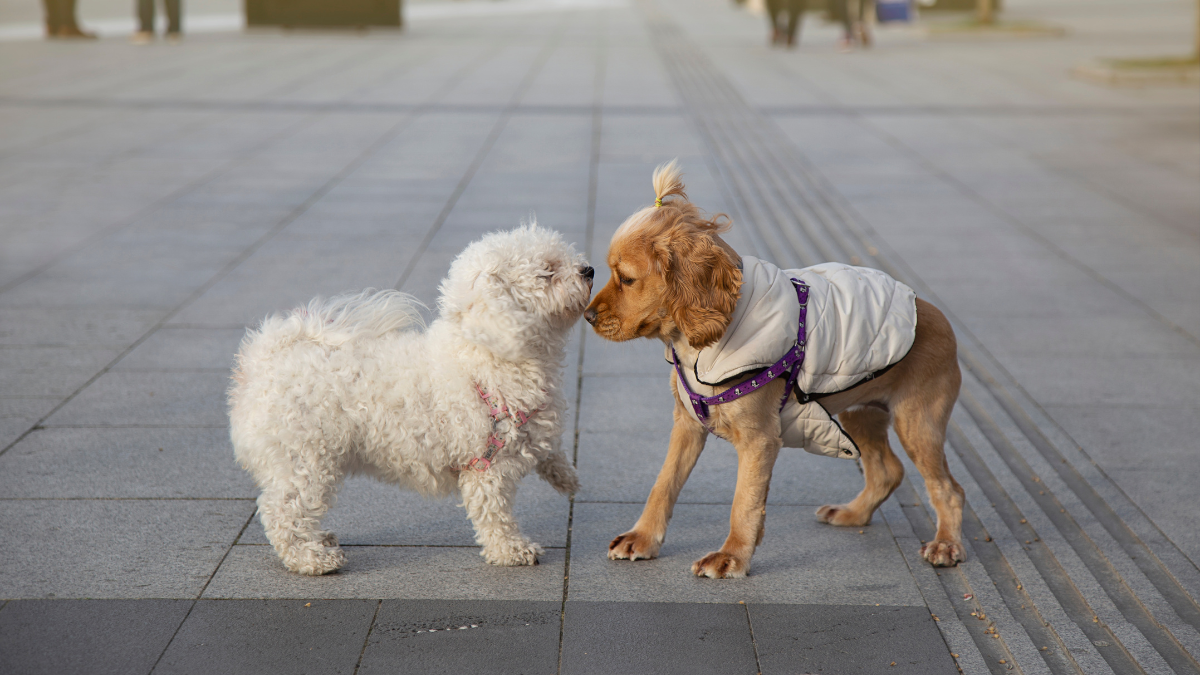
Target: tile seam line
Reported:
point(197, 597)
point(287, 220)
point(367, 638)
point(485, 149)
point(589, 233)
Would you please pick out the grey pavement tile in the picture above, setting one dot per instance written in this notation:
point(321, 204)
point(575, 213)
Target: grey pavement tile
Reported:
point(177, 348)
point(98, 637)
point(458, 636)
point(1096, 379)
point(1141, 435)
point(51, 371)
point(124, 464)
point(1112, 335)
point(130, 398)
point(1169, 498)
point(115, 548)
point(372, 513)
point(643, 137)
point(19, 414)
point(626, 403)
point(72, 327)
point(399, 572)
point(848, 640)
point(288, 272)
point(622, 467)
point(664, 638)
point(260, 637)
point(800, 560)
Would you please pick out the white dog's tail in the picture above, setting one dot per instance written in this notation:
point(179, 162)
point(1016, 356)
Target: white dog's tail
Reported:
point(336, 320)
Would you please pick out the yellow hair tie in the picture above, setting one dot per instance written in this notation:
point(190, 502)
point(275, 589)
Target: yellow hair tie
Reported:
point(658, 202)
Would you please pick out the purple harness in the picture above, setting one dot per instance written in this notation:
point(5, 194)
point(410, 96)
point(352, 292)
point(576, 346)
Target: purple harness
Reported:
point(789, 365)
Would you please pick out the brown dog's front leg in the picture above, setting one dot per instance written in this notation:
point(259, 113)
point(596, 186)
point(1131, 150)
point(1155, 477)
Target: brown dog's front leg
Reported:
point(643, 541)
point(756, 459)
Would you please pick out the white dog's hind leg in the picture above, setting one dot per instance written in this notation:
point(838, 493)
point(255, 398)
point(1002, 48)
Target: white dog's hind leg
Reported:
point(557, 470)
point(488, 498)
point(291, 511)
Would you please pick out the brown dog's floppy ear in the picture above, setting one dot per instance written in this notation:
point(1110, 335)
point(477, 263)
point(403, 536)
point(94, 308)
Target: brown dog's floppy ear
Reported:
point(703, 284)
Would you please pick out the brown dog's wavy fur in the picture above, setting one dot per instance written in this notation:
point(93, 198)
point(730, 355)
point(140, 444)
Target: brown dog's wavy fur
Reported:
point(674, 279)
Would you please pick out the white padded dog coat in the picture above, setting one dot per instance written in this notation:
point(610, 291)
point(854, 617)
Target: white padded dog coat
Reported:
point(859, 321)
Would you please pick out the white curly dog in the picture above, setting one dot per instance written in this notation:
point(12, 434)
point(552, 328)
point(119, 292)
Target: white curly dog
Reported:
point(352, 385)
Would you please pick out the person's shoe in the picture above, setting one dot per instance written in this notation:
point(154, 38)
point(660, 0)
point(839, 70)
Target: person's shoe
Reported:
point(142, 37)
point(776, 36)
point(845, 45)
point(790, 41)
point(174, 37)
point(75, 33)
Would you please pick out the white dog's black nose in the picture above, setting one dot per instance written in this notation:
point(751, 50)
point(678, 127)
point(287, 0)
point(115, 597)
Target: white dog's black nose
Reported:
point(588, 273)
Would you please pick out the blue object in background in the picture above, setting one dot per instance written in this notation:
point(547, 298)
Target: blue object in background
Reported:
point(892, 10)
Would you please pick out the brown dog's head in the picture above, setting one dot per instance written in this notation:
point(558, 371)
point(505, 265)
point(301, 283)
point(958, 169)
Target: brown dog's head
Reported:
point(670, 271)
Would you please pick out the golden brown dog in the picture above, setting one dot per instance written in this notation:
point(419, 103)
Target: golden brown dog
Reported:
point(674, 278)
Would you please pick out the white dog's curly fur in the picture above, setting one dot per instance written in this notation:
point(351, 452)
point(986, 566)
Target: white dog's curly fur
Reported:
point(352, 385)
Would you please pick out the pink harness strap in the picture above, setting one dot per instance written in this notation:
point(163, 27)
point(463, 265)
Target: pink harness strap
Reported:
point(498, 413)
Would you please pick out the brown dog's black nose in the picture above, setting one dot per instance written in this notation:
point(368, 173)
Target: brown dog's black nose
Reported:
point(589, 315)
point(588, 273)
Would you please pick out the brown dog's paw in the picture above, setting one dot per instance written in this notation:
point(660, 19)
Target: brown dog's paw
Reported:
point(720, 565)
point(842, 515)
point(633, 545)
point(942, 553)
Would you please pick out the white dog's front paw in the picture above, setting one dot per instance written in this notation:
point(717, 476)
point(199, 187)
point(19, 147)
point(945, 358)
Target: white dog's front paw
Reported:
point(313, 558)
point(513, 553)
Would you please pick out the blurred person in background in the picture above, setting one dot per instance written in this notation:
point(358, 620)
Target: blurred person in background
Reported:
point(854, 30)
point(145, 12)
point(794, 9)
point(60, 21)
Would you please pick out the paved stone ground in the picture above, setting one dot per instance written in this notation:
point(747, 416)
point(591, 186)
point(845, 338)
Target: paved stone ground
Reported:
point(156, 201)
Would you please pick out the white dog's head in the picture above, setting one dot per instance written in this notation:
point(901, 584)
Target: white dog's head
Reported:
point(518, 292)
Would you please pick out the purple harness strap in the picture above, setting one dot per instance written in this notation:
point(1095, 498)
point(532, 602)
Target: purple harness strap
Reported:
point(789, 365)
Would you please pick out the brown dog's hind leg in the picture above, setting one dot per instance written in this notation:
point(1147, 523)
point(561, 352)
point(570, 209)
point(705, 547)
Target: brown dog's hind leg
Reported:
point(920, 415)
point(882, 471)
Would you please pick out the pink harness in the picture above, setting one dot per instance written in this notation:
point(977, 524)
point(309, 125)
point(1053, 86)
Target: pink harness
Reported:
point(498, 413)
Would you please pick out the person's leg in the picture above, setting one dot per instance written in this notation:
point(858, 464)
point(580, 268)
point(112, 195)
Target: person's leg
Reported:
point(863, 30)
point(54, 17)
point(145, 11)
point(841, 12)
point(774, 7)
point(68, 27)
point(795, 17)
point(174, 19)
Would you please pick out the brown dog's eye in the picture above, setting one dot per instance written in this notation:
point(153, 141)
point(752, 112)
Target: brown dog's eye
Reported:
point(626, 282)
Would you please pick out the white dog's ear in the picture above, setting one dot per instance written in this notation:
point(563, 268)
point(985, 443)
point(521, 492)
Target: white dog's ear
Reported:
point(495, 321)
